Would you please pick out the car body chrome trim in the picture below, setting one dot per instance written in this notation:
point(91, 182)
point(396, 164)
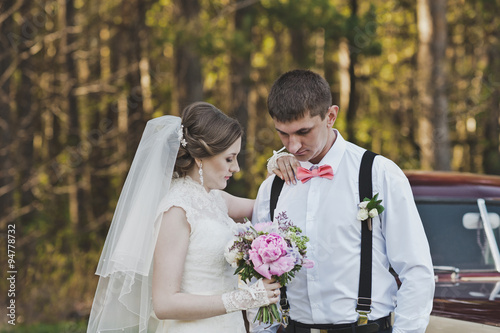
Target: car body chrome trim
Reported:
point(489, 233)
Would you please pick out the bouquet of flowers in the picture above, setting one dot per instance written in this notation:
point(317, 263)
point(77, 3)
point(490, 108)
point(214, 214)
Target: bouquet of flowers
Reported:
point(266, 250)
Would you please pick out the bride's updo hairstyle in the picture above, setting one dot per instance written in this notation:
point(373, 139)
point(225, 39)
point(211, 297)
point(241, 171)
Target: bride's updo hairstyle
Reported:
point(207, 132)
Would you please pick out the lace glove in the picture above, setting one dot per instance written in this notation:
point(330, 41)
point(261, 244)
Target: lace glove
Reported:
point(272, 161)
point(246, 297)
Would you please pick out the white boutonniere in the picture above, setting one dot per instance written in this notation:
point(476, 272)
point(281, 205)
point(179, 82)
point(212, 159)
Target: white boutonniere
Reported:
point(369, 208)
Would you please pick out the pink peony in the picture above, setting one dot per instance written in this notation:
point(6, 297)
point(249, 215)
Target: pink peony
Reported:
point(269, 255)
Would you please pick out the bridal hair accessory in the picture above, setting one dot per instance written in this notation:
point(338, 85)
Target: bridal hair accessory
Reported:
point(123, 299)
point(272, 162)
point(181, 136)
point(200, 171)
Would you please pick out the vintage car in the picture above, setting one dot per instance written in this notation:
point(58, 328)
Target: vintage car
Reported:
point(461, 217)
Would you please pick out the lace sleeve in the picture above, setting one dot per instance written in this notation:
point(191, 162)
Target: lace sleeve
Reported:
point(193, 199)
point(181, 197)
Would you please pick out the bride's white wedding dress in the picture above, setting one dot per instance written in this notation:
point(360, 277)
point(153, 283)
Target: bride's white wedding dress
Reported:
point(206, 272)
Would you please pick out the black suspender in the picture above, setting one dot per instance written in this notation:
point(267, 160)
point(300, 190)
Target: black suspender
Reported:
point(275, 193)
point(365, 274)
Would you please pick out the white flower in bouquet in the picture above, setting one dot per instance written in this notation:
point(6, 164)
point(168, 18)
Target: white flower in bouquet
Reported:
point(232, 254)
point(242, 227)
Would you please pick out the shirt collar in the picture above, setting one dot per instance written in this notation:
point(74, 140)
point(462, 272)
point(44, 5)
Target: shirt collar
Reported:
point(334, 155)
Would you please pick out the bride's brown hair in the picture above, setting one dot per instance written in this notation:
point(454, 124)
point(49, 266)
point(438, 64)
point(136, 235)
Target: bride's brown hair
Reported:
point(207, 131)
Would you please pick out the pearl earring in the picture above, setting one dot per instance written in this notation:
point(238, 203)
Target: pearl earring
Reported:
point(200, 171)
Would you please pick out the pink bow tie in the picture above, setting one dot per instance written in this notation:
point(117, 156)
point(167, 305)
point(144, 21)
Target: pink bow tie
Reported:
point(305, 175)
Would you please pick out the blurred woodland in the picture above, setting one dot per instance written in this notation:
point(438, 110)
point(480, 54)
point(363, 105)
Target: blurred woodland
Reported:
point(416, 81)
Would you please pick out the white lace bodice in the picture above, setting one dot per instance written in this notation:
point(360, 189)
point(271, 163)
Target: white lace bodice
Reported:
point(206, 271)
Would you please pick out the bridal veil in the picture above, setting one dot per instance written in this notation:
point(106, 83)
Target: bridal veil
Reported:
point(123, 300)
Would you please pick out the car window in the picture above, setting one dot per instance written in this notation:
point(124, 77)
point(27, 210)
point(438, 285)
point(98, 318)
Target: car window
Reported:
point(451, 242)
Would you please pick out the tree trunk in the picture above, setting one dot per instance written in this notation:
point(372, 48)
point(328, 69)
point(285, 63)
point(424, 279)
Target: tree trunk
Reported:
point(344, 79)
point(352, 104)
point(240, 86)
point(97, 183)
point(299, 48)
point(24, 160)
point(134, 16)
point(491, 159)
point(69, 83)
point(491, 87)
point(6, 163)
point(433, 134)
point(442, 151)
point(424, 77)
point(188, 66)
point(26, 123)
point(117, 109)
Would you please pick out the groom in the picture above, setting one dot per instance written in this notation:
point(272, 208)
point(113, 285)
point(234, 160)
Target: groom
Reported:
point(325, 298)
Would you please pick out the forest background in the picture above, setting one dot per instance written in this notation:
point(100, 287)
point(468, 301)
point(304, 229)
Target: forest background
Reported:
point(416, 81)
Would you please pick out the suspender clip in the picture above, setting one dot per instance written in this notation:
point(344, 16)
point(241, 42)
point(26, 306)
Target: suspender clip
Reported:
point(363, 308)
point(363, 318)
point(284, 317)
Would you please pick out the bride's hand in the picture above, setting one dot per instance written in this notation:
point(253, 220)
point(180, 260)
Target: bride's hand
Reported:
point(287, 168)
point(261, 293)
point(273, 290)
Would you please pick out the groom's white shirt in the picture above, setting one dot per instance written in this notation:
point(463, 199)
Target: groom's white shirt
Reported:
point(326, 212)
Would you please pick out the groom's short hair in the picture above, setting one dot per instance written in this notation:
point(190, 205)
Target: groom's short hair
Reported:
point(298, 92)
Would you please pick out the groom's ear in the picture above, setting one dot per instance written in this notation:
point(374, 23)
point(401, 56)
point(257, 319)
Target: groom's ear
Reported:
point(331, 115)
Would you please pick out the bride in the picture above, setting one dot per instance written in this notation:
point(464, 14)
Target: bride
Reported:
point(162, 268)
